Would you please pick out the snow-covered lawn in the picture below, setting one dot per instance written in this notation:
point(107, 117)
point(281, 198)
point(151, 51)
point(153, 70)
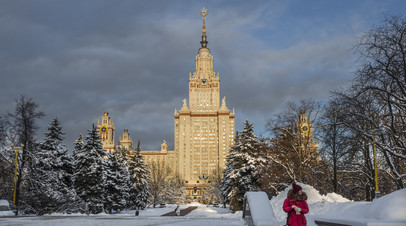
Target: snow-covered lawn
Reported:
point(203, 215)
point(387, 210)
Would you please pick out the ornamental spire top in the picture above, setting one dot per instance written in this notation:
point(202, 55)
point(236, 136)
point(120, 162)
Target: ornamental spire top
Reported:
point(204, 13)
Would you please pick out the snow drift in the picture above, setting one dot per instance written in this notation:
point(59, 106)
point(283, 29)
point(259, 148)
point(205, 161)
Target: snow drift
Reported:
point(314, 197)
point(391, 206)
point(389, 209)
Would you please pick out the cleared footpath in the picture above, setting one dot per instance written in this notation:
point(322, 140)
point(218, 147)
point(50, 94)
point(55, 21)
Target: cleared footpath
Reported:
point(183, 212)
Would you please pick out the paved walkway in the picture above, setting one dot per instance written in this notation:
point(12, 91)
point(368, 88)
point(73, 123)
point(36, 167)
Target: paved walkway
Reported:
point(182, 212)
point(120, 220)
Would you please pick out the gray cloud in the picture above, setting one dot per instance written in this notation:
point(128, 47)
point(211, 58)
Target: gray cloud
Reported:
point(78, 59)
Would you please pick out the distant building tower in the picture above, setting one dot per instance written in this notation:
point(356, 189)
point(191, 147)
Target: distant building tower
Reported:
point(204, 130)
point(125, 141)
point(107, 132)
point(304, 132)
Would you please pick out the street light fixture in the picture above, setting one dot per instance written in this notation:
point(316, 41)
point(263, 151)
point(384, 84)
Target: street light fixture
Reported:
point(203, 177)
point(16, 173)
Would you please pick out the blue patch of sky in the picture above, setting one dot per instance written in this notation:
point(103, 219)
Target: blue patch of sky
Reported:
point(311, 21)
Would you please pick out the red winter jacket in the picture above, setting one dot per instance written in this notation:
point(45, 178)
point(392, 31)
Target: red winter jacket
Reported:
point(294, 219)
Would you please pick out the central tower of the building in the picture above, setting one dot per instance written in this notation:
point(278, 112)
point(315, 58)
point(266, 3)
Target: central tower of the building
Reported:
point(204, 130)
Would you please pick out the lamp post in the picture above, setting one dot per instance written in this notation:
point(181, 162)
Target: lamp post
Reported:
point(376, 168)
point(16, 173)
point(204, 178)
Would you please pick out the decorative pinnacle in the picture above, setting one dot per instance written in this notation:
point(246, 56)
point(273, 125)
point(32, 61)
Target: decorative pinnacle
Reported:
point(204, 13)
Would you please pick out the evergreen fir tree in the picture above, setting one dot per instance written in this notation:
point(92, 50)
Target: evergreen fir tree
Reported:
point(51, 173)
point(140, 176)
point(117, 182)
point(78, 144)
point(245, 159)
point(226, 185)
point(89, 167)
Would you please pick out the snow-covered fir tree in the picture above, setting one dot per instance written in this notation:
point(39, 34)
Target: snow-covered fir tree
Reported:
point(78, 144)
point(51, 173)
point(89, 167)
point(116, 182)
point(140, 176)
point(245, 160)
point(53, 144)
point(226, 185)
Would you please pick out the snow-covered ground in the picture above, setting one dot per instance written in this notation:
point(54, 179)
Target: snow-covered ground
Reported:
point(203, 215)
point(387, 210)
point(6, 213)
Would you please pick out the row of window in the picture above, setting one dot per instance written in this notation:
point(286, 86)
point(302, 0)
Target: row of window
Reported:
point(203, 120)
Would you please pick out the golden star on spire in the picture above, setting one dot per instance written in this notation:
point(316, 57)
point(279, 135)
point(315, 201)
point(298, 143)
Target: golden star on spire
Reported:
point(203, 13)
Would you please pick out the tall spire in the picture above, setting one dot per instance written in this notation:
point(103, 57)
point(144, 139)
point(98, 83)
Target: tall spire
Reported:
point(204, 13)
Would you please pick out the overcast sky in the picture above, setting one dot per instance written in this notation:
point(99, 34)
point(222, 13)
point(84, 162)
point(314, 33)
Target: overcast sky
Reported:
point(78, 59)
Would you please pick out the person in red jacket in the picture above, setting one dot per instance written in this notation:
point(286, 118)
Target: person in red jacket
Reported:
point(296, 206)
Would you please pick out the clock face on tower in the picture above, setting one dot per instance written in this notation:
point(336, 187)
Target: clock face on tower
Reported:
point(103, 129)
point(204, 81)
point(305, 128)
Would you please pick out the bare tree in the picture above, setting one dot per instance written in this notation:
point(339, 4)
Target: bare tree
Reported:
point(290, 148)
point(23, 124)
point(360, 115)
point(383, 75)
point(334, 137)
point(212, 192)
point(174, 190)
point(164, 185)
